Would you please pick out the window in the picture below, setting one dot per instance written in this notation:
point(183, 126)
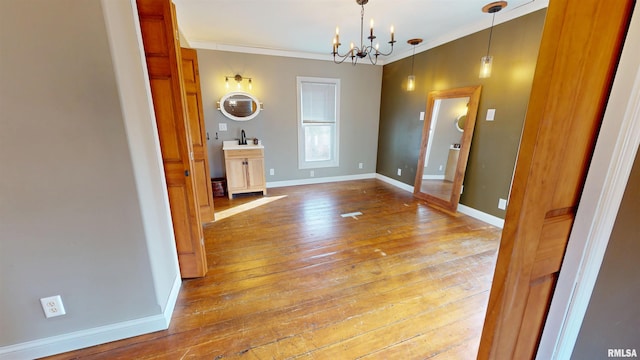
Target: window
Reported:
point(318, 119)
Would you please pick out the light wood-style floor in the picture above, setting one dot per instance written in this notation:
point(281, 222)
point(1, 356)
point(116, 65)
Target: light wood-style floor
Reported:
point(438, 188)
point(294, 279)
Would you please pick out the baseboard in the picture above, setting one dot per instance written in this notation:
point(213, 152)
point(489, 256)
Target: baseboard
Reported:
point(482, 216)
point(95, 336)
point(395, 183)
point(432, 177)
point(172, 300)
point(320, 180)
point(477, 214)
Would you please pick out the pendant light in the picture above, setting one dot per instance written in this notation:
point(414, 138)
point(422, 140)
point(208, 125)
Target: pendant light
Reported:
point(411, 80)
point(487, 61)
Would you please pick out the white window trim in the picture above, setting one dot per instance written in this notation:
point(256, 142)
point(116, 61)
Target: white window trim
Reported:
point(335, 161)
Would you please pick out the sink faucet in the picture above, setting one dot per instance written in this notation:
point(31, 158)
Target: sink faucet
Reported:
point(243, 138)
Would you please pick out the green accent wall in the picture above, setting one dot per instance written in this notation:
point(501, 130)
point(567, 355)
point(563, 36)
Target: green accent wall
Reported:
point(494, 148)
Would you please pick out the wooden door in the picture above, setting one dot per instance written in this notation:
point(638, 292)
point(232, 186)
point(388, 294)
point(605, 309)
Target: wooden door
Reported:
point(255, 171)
point(201, 174)
point(160, 39)
point(579, 52)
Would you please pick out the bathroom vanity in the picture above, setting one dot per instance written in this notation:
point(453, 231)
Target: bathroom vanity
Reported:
point(244, 165)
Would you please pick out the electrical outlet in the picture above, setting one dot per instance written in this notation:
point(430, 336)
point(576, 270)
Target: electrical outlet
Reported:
point(440, 168)
point(52, 306)
point(360, 165)
point(399, 172)
point(312, 173)
point(421, 115)
point(502, 204)
point(272, 172)
point(222, 127)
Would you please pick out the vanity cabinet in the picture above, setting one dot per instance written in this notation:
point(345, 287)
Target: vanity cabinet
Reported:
point(452, 164)
point(245, 170)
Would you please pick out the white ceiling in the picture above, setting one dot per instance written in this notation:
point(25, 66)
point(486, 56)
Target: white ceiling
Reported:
point(305, 29)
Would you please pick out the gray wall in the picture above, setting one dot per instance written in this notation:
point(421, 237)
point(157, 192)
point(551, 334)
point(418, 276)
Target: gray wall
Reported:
point(274, 84)
point(70, 219)
point(612, 320)
point(495, 144)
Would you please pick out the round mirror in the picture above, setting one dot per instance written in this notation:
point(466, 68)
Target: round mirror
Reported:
point(460, 122)
point(239, 106)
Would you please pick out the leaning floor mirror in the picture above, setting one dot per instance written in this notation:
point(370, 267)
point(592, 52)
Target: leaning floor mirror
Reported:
point(444, 149)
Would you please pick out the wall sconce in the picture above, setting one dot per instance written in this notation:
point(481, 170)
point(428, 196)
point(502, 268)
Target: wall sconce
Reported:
point(238, 78)
point(487, 61)
point(411, 80)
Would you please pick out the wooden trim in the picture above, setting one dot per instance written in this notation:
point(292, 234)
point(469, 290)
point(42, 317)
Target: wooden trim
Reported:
point(613, 158)
point(578, 55)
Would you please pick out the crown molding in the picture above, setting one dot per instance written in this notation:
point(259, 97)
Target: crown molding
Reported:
point(505, 15)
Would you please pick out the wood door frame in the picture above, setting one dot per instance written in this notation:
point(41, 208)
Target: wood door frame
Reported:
point(569, 94)
point(606, 182)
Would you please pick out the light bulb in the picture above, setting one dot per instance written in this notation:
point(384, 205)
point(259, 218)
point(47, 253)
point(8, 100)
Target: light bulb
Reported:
point(411, 83)
point(485, 66)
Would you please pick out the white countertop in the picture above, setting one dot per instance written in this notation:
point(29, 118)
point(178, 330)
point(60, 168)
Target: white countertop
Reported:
point(233, 145)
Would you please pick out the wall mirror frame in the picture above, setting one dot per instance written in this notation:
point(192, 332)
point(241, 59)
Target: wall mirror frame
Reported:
point(444, 191)
point(239, 106)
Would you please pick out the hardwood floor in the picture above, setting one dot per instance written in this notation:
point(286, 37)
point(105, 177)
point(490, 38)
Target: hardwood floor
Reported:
point(438, 188)
point(294, 279)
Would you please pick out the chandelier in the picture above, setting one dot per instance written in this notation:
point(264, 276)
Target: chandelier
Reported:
point(363, 51)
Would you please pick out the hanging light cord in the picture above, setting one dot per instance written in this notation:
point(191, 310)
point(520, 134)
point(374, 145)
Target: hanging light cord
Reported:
point(491, 31)
point(413, 58)
point(361, 28)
